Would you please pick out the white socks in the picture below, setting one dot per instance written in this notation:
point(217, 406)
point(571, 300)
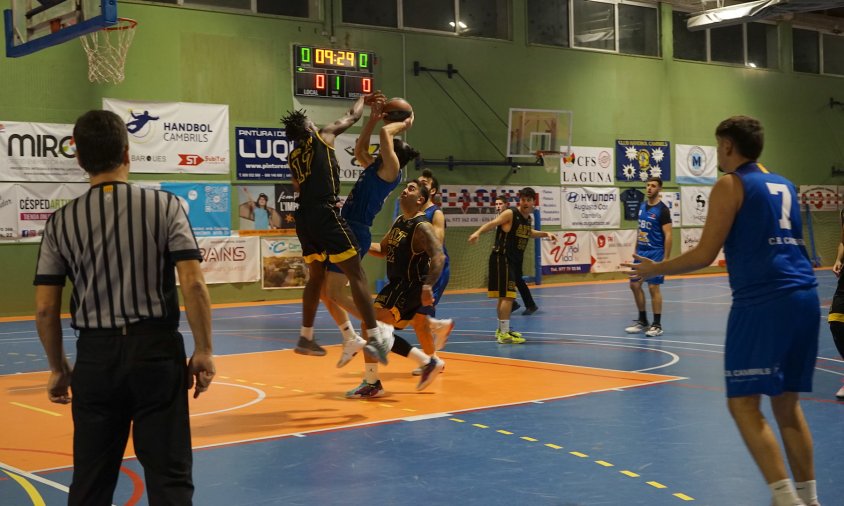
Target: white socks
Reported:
point(307, 333)
point(347, 330)
point(370, 374)
point(808, 492)
point(418, 355)
point(504, 326)
point(784, 494)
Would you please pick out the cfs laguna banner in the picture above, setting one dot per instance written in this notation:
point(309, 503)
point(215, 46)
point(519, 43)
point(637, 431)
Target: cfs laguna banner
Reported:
point(26, 207)
point(175, 137)
point(38, 152)
point(567, 253)
point(585, 207)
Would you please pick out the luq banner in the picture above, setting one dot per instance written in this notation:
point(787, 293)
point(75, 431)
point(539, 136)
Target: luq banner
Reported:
point(585, 207)
point(230, 259)
point(38, 152)
point(567, 253)
point(611, 248)
point(26, 207)
point(175, 137)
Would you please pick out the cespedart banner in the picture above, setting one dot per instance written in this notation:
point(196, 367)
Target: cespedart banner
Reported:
point(175, 137)
point(26, 207)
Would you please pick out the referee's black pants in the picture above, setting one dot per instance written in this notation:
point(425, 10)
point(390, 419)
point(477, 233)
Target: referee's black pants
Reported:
point(138, 379)
point(524, 291)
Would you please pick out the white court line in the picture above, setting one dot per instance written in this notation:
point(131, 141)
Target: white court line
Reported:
point(35, 477)
point(261, 396)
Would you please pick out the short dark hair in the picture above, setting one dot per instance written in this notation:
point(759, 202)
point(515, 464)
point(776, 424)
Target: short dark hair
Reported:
point(527, 192)
point(746, 133)
point(656, 179)
point(423, 190)
point(435, 184)
point(503, 198)
point(295, 125)
point(101, 140)
point(404, 151)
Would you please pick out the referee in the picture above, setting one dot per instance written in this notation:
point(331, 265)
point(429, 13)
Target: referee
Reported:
point(118, 245)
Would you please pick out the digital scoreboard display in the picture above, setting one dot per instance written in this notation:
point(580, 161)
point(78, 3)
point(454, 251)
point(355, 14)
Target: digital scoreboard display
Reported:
point(321, 72)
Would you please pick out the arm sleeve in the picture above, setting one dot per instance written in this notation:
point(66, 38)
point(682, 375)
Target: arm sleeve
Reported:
point(665, 215)
point(181, 243)
point(50, 268)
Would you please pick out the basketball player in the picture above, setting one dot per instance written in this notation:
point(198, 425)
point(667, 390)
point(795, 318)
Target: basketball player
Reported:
point(513, 229)
point(518, 263)
point(323, 233)
point(414, 263)
point(654, 242)
point(836, 309)
point(772, 331)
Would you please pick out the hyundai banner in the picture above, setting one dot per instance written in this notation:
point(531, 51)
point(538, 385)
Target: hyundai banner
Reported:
point(38, 152)
point(175, 137)
point(584, 207)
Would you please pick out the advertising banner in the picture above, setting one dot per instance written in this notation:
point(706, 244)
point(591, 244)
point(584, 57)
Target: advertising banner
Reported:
point(38, 152)
point(230, 259)
point(672, 200)
point(266, 209)
point(472, 206)
point(695, 203)
point(567, 253)
point(26, 207)
point(819, 197)
point(690, 237)
point(585, 207)
point(282, 264)
point(180, 137)
point(696, 164)
point(208, 206)
point(587, 165)
point(262, 153)
point(637, 160)
point(611, 248)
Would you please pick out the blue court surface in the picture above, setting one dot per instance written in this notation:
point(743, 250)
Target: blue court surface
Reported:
point(662, 443)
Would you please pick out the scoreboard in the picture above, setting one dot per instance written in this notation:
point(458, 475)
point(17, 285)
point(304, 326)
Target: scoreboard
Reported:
point(321, 72)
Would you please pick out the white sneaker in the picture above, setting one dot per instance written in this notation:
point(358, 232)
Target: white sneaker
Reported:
point(636, 328)
point(654, 331)
point(350, 349)
point(379, 349)
point(441, 330)
point(840, 394)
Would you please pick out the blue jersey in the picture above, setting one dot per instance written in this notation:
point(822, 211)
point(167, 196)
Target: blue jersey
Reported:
point(651, 237)
point(766, 255)
point(368, 195)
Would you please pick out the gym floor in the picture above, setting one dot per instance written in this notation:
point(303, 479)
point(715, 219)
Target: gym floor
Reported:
point(581, 414)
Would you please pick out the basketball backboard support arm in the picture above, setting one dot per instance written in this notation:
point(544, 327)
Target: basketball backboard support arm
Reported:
point(52, 23)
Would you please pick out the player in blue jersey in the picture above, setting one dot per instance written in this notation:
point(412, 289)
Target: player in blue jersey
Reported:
point(654, 242)
point(772, 330)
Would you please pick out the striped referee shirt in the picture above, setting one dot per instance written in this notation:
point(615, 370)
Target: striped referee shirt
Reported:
point(118, 244)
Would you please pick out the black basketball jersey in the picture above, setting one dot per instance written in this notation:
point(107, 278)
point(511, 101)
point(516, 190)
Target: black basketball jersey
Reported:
point(402, 262)
point(513, 243)
point(314, 165)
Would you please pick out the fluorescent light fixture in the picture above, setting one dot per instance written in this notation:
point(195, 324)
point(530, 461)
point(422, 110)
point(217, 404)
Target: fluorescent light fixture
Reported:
point(754, 11)
point(461, 24)
point(751, 65)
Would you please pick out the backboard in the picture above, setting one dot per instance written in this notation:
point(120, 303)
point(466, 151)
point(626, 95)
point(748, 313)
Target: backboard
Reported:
point(534, 130)
point(32, 25)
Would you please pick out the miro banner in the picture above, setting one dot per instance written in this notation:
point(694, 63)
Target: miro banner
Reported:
point(175, 137)
point(567, 253)
point(38, 152)
point(696, 164)
point(637, 160)
point(262, 153)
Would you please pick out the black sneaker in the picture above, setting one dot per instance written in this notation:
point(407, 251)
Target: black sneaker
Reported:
point(516, 305)
point(309, 347)
point(530, 310)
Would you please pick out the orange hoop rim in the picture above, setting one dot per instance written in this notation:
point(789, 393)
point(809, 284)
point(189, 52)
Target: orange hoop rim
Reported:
point(122, 24)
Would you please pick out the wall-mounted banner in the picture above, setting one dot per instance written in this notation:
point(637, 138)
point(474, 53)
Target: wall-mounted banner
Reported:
point(611, 248)
point(267, 209)
point(820, 197)
point(262, 153)
point(570, 252)
point(282, 264)
point(181, 137)
point(674, 203)
point(472, 206)
point(208, 206)
point(38, 152)
point(695, 203)
point(230, 259)
point(344, 149)
point(696, 164)
point(585, 165)
point(638, 160)
point(26, 207)
point(690, 237)
point(585, 207)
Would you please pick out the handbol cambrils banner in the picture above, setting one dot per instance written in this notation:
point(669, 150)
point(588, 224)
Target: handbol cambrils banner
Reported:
point(38, 152)
point(175, 137)
point(26, 207)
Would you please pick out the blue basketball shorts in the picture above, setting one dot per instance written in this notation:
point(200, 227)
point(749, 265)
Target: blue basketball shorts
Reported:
point(657, 255)
point(772, 347)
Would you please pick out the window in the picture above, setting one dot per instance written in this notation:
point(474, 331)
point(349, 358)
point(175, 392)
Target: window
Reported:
point(295, 8)
point(807, 51)
point(762, 46)
point(727, 44)
point(429, 14)
point(594, 25)
point(688, 45)
point(548, 22)
point(369, 12)
point(485, 18)
point(638, 30)
point(228, 4)
point(833, 54)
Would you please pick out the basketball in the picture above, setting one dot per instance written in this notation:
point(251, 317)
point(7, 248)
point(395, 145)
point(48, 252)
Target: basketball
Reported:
point(397, 109)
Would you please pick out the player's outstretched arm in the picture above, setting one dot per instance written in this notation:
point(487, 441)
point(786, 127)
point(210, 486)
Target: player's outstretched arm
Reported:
point(329, 132)
point(390, 167)
point(376, 111)
point(506, 217)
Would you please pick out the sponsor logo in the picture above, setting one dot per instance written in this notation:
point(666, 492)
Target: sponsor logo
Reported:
point(190, 160)
point(696, 161)
point(41, 146)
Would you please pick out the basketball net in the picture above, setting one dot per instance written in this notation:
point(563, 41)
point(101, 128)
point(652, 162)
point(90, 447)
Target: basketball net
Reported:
point(106, 50)
point(551, 160)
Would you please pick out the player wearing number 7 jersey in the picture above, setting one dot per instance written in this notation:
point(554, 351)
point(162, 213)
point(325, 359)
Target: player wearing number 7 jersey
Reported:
point(772, 331)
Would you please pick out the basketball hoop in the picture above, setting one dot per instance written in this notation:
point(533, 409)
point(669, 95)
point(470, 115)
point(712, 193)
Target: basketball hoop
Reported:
point(554, 160)
point(106, 50)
